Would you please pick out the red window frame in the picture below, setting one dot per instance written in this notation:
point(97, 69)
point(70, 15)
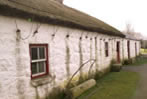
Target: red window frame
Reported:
point(106, 49)
point(46, 57)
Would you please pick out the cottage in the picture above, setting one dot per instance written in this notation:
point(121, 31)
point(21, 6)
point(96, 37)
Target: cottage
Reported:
point(43, 43)
point(132, 47)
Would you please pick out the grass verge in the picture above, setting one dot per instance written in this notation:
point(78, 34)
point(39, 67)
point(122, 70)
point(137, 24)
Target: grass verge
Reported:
point(143, 51)
point(139, 61)
point(115, 85)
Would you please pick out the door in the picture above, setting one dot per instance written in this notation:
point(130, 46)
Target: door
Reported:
point(135, 49)
point(118, 51)
point(128, 44)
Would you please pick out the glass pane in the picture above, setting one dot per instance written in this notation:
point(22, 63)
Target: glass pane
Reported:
point(34, 53)
point(41, 67)
point(34, 68)
point(42, 53)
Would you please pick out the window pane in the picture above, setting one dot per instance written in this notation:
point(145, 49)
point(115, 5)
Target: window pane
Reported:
point(42, 53)
point(34, 53)
point(41, 67)
point(34, 68)
point(39, 59)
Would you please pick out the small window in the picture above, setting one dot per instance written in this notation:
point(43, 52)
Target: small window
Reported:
point(106, 49)
point(39, 60)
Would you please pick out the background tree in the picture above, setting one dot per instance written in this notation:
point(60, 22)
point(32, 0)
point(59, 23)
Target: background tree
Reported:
point(129, 29)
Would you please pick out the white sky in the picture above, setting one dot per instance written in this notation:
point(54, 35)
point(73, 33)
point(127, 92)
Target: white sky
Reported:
point(115, 12)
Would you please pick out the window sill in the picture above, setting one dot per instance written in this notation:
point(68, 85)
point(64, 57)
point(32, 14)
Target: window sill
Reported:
point(42, 80)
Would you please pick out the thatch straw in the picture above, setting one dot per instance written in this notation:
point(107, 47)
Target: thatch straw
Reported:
point(51, 12)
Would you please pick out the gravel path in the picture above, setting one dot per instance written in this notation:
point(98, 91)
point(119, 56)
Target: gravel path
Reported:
point(141, 92)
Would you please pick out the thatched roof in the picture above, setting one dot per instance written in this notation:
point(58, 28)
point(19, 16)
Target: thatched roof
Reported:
point(52, 12)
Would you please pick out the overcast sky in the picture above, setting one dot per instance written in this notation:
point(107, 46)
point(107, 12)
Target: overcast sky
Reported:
point(115, 12)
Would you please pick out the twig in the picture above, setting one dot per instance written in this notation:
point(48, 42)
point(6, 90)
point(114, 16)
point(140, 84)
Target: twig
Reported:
point(37, 28)
point(19, 31)
point(29, 34)
point(16, 24)
point(78, 71)
point(91, 67)
point(55, 31)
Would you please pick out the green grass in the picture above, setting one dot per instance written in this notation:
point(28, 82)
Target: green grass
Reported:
point(139, 61)
point(143, 51)
point(115, 85)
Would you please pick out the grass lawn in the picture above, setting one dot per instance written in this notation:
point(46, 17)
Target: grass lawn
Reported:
point(143, 51)
point(115, 85)
point(139, 61)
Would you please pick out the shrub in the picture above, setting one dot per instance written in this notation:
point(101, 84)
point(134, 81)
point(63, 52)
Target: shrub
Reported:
point(126, 62)
point(58, 93)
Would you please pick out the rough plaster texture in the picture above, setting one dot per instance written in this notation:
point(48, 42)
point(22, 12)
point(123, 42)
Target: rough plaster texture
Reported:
point(65, 55)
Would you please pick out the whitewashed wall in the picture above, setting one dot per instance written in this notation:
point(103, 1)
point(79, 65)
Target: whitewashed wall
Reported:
point(132, 48)
point(15, 74)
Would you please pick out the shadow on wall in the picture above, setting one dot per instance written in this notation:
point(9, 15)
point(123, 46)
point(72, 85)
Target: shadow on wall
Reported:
point(67, 58)
point(81, 57)
point(20, 85)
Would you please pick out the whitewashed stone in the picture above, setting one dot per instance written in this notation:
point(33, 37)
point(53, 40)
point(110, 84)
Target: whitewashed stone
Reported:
point(15, 57)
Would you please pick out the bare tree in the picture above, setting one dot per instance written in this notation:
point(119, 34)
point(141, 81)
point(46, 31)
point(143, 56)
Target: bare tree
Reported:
point(129, 29)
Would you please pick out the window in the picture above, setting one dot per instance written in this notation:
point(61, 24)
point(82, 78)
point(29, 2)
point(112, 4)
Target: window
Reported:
point(106, 49)
point(39, 60)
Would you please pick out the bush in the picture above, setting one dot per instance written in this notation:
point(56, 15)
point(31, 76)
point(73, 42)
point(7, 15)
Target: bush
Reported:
point(97, 75)
point(58, 93)
point(116, 67)
point(126, 62)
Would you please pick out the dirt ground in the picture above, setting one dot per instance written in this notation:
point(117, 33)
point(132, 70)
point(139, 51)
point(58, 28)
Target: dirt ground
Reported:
point(141, 92)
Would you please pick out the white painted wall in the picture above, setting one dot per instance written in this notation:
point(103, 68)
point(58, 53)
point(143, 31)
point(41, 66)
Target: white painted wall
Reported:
point(15, 80)
point(132, 48)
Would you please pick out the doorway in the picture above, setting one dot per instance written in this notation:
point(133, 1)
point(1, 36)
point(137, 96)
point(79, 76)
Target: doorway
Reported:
point(128, 45)
point(118, 51)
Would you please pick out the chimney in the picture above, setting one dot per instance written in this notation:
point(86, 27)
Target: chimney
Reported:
point(60, 1)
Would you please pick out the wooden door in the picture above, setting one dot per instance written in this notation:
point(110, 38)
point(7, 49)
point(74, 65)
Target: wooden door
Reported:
point(128, 44)
point(118, 51)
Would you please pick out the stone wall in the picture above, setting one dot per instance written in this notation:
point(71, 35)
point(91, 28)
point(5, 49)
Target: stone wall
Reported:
point(68, 49)
point(132, 48)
